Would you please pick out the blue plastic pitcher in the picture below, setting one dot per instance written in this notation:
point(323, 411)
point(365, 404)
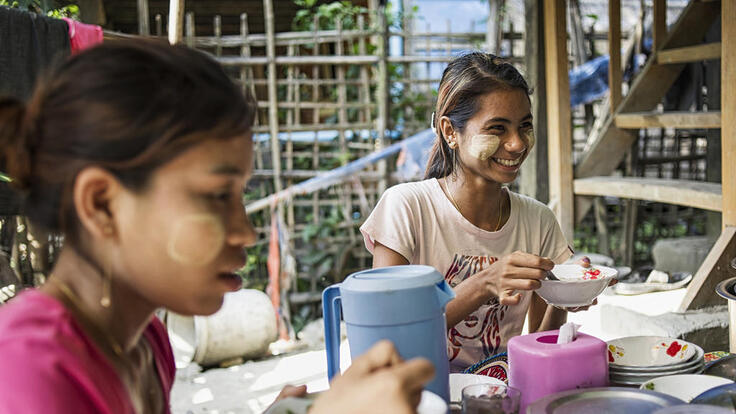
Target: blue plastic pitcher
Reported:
point(404, 304)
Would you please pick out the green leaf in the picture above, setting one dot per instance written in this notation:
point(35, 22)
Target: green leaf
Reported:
point(5, 178)
point(310, 230)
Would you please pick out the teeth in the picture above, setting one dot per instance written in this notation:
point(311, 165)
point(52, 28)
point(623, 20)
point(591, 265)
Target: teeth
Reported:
point(508, 163)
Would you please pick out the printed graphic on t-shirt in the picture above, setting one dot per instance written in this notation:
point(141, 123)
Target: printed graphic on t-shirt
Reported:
point(482, 328)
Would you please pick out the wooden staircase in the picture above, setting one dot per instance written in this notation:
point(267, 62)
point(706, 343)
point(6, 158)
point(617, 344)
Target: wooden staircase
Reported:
point(604, 153)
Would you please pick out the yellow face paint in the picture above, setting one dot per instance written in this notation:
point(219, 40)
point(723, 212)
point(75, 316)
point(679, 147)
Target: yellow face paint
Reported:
point(531, 139)
point(483, 146)
point(196, 240)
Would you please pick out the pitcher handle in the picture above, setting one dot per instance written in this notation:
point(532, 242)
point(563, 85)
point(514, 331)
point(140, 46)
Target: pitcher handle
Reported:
point(332, 313)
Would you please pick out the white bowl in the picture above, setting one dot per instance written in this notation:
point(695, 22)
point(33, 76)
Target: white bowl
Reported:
point(431, 403)
point(649, 351)
point(572, 290)
point(685, 387)
point(460, 381)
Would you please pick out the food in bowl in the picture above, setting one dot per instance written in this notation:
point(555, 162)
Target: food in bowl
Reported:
point(591, 274)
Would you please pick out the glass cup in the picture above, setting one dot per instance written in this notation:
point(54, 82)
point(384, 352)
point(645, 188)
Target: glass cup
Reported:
point(490, 399)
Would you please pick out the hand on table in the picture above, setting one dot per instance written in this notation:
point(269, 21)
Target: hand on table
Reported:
point(377, 382)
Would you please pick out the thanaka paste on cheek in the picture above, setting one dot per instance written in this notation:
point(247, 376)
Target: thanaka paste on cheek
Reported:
point(196, 240)
point(483, 146)
point(531, 140)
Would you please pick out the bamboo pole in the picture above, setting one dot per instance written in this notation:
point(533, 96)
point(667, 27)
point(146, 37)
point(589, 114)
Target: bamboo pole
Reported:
point(290, 95)
point(217, 25)
point(176, 21)
point(382, 94)
point(273, 115)
point(189, 29)
point(365, 91)
point(341, 91)
point(159, 25)
point(315, 120)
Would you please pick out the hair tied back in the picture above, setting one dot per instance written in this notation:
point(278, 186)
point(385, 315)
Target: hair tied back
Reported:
point(15, 159)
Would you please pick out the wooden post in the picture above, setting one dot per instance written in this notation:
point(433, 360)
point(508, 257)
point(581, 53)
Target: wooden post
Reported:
point(716, 266)
point(176, 21)
point(143, 18)
point(614, 51)
point(493, 26)
point(728, 107)
point(659, 30)
point(534, 171)
point(558, 113)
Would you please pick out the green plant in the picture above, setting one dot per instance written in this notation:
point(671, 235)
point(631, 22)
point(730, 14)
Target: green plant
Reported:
point(326, 14)
point(50, 8)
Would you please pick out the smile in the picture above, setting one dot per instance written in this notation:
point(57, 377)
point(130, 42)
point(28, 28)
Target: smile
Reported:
point(508, 163)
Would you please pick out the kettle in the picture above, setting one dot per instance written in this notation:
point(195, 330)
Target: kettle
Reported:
point(404, 304)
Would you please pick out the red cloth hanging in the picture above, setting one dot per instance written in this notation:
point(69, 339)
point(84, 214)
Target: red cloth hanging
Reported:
point(82, 35)
point(273, 263)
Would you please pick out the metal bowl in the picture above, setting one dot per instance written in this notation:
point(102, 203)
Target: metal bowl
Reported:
point(725, 289)
point(723, 396)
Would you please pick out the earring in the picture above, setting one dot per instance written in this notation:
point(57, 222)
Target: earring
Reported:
point(105, 300)
point(454, 165)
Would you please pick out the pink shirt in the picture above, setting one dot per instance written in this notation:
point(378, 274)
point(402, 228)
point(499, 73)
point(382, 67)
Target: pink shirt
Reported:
point(49, 365)
point(419, 222)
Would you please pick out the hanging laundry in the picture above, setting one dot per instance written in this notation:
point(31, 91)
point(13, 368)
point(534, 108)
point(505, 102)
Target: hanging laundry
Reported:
point(82, 35)
point(29, 43)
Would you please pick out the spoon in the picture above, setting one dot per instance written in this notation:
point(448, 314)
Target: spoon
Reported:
point(551, 276)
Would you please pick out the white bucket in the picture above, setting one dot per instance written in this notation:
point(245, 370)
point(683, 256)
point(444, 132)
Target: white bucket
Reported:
point(243, 327)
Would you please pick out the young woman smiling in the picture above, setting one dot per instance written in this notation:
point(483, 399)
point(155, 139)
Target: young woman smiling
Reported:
point(492, 245)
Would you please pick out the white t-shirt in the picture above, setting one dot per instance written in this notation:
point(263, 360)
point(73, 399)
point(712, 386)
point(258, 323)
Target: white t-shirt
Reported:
point(418, 221)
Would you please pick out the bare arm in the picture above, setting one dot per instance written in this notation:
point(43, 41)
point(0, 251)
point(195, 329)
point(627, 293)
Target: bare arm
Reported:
point(543, 317)
point(383, 257)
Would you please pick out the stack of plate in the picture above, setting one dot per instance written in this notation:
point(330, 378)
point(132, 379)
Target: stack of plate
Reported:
point(635, 360)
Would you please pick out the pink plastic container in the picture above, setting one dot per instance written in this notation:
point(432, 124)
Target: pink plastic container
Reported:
point(539, 367)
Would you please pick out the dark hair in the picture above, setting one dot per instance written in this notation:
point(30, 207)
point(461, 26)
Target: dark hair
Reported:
point(127, 107)
point(463, 82)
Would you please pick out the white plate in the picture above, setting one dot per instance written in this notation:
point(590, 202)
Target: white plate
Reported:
point(638, 379)
point(649, 351)
point(685, 387)
point(460, 381)
point(696, 360)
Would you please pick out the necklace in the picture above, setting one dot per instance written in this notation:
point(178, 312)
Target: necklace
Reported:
point(500, 205)
point(143, 385)
point(76, 303)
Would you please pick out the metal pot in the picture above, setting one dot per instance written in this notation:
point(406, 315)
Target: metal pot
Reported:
point(725, 290)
